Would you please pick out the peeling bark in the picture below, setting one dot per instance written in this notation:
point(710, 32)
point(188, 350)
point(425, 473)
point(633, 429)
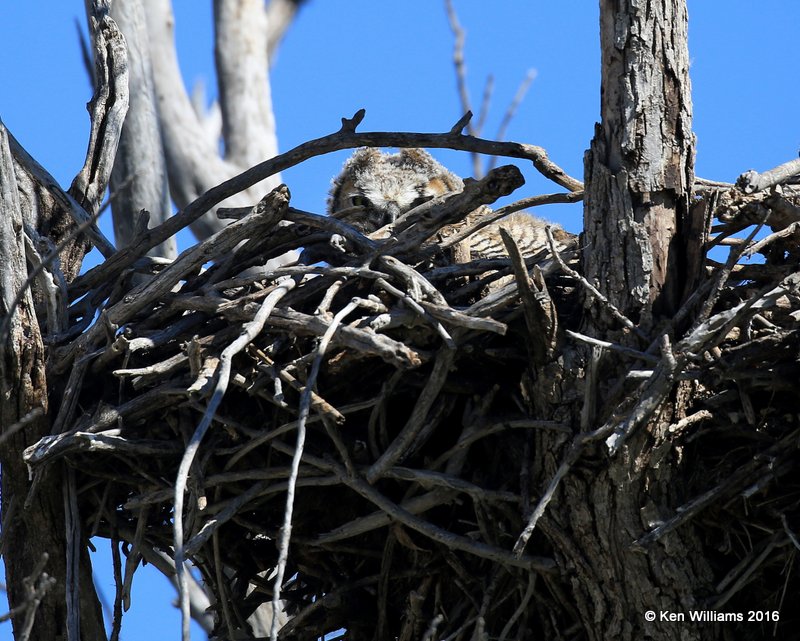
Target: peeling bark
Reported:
point(639, 175)
point(640, 167)
point(33, 518)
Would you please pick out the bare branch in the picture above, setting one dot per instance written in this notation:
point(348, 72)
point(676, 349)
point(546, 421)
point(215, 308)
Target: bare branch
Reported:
point(79, 215)
point(593, 291)
point(305, 406)
point(193, 161)
point(751, 181)
point(280, 16)
point(240, 47)
point(108, 108)
point(36, 586)
point(139, 179)
point(222, 375)
point(522, 90)
point(461, 79)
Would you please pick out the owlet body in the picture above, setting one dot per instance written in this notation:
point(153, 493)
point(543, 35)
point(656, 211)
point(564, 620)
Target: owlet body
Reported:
point(375, 188)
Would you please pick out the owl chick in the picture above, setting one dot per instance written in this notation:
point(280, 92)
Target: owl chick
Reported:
point(374, 189)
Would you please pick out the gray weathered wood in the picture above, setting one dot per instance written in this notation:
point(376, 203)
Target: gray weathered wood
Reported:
point(139, 179)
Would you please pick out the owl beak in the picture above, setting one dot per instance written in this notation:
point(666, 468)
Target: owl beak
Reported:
point(391, 213)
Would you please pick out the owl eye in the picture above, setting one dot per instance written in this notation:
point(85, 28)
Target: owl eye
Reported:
point(359, 201)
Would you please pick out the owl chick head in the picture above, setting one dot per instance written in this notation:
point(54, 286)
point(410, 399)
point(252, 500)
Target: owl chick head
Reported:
point(375, 188)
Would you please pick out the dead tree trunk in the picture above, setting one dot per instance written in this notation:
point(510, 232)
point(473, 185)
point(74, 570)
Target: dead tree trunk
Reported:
point(639, 176)
point(640, 168)
point(36, 535)
point(43, 232)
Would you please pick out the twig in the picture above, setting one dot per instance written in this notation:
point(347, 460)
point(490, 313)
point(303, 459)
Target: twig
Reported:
point(35, 586)
point(414, 305)
point(790, 532)
point(221, 588)
point(522, 90)
point(110, 441)
point(496, 428)
point(573, 454)
point(305, 406)
point(654, 391)
point(399, 446)
point(483, 112)
point(448, 539)
point(515, 103)
point(249, 332)
point(210, 528)
point(459, 319)
point(286, 427)
point(786, 232)
point(461, 78)
point(493, 216)
point(116, 562)
point(628, 351)
point(427, 478)
point(72, 537)
point(379, 519)
point(723, 274)
point(754, 559)
point(134, 556)
point(523, 605)
point(735, 482)
point(591, 289)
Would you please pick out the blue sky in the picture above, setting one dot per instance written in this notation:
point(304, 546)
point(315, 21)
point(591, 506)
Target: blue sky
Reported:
point(395, 59)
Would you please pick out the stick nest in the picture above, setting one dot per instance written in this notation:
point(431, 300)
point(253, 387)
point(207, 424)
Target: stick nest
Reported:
point(410, 376)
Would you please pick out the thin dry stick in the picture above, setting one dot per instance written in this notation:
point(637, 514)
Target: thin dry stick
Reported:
point(786, 232)
point(723, 274)
point(116, 625)
point(72, 527)
point(408, 300)
point(515, 103)
point(523, 605)
point(9, 431)
point(226, 609)
point(35, 586)
point(627, 322)
point(614, 347)
point(512, 109)
point(305, 406)
point(40, 267)
point(488, 89)
point(345, 138)
point(249, 332)
point(403, 441)
point(497, 214)
point(572, 455)
point(434, 532)
point(461, 77)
